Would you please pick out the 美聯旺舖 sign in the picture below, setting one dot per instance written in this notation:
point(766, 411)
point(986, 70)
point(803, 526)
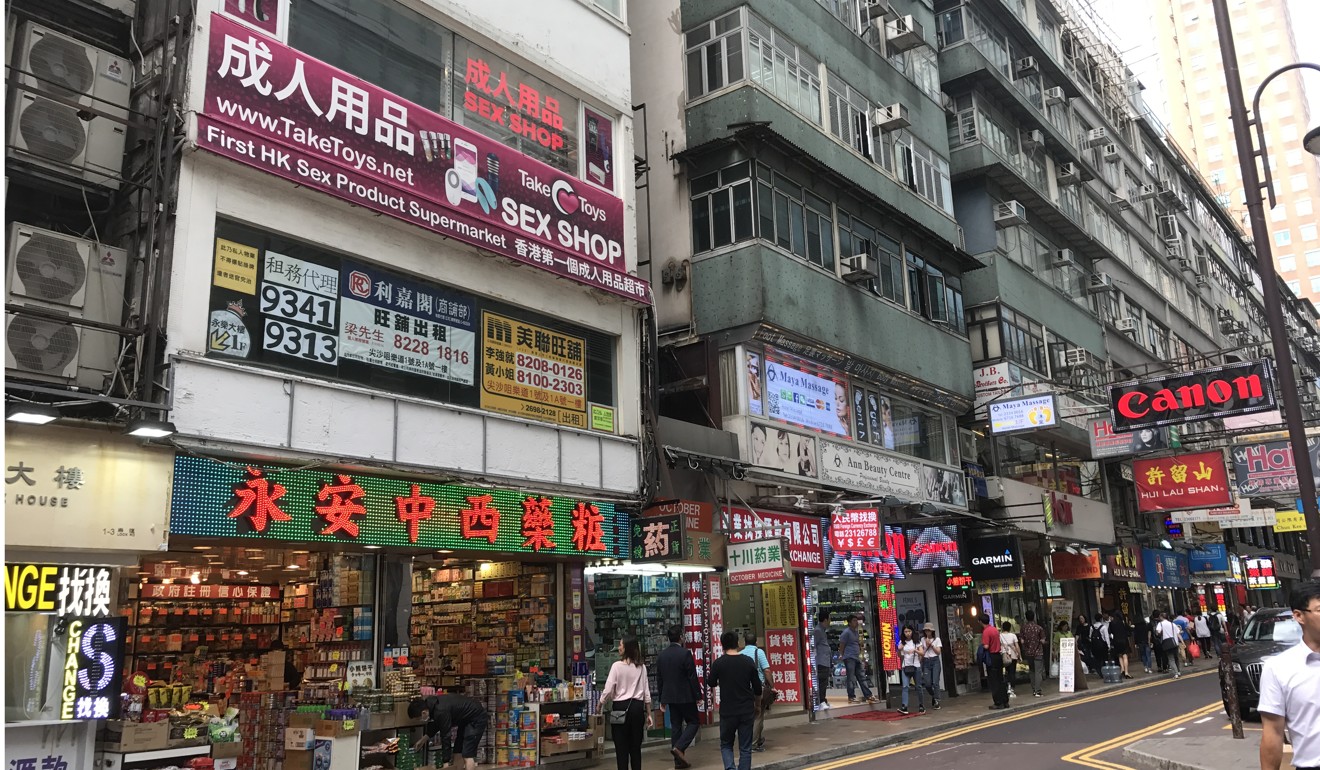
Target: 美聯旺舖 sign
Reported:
point(1200, 395)
point(1196, 480)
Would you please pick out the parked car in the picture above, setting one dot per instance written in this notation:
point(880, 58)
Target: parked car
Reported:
point(1267, 633)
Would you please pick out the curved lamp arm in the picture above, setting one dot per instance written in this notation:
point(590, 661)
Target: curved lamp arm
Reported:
point(1268, 181)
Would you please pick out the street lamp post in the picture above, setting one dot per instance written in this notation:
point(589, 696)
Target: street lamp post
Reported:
point(1265, 262)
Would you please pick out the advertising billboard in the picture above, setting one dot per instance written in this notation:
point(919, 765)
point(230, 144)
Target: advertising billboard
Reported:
point(1200, 395)
point(1196, 480)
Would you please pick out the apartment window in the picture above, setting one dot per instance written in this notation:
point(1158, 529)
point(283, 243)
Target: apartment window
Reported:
point(924, 171)
point(934, 295)
point(1287, 264)
point(1202, 84)
point(1210, 130)
point(1198, 62)
point(1292, 158)
point(1282, 237)
point(1307, 232)
point(1288, 133)
point(1303, 207)
point(1157, 337)
point(858, 237)
point(1315, 284)
point(1023, 340)
point(1298, 183)
point(795, 219)
point(780, 66)
point(850, 115)
point(722, 208)
point(1279, 212)
point(1295, 287)
point(612, 7)
point(715, 55)
point(1313, 258)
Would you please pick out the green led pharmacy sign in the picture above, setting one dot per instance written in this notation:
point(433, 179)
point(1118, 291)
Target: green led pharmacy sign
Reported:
point(268, 502)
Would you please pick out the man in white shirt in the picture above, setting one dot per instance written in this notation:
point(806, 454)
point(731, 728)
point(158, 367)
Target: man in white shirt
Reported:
point(1290, 689)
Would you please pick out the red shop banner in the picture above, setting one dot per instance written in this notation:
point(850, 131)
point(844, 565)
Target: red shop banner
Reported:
point(855, 529)
point(803, 533)
point(1196, 480)
point(781, 647)
point(283, 112)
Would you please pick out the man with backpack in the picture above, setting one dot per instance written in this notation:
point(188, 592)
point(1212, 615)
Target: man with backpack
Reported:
point(1216, 624)
point(763, 703)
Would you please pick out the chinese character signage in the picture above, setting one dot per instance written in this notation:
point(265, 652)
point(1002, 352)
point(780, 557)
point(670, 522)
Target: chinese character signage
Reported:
point(1204, 394)
point(886, 604)
point(992, 558)
point(268, 16)
point(933, 547)
point(1260, 573)
point(782, 650)
point(62, 589)
point(1070, 566)
point(213, 499)
point(328, 316)
point(806, 396)
point(1227, 518)
point(1266, 469)
point(1290, 521)
point(780, 605)
point(93, 668)
point(1126, 564)
point(700, 544)
point(1209, 558)
point(757, 561)
point(855, 529)
point(179, 590)
point(1107, 442)
point(278, 110)
point(889, 560)
point(534, 372)
point(1022, 414)
point(657, 538)
point(1166, 569)
point(803, 533)
point(954, 586)
point(1196, 480)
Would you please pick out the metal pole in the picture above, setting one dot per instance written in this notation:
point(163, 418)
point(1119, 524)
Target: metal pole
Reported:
point(1283, 362)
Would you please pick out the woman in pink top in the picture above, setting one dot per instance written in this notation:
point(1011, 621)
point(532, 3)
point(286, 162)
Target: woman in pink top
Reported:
point(628, 689)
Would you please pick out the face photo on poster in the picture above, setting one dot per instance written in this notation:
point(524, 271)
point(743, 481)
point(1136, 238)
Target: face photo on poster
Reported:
point(782, 450)
point(754, 404)
point(946, 486)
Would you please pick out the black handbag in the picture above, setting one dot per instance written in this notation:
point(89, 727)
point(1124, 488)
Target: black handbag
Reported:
point(619, 711)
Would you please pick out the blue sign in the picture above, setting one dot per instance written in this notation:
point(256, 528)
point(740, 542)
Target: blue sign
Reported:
point(976, 473)
point(1212, 557)
point(1166, 569)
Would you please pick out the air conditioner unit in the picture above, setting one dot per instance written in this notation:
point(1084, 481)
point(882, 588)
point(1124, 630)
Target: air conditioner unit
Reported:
point(1024, 67)
point(1146, 192)
point(71, 278)
point(904, 33)
point(1173, 248)
point(1032, 139)
point(1078, 358)
point(1119, 201)
point(1097, 136)
point(51, 132)
point(858, 268)
point(1167, 191)
point(1203, 281)
point(891, 117)
point(1069, 174)
point(1186, 266)
point(876, 9)
point(1110, 153)
point(1010, 213)
point(1099, 282)
point(1063, 258)
point(1127, 324)
point(1055, 96)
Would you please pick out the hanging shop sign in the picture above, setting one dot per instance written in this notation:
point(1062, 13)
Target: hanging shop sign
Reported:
point(1290, 521)
point(1166, 569)
point(873, 472)
point(934, 547)
point(1107, 442)
point(886, 605)
point(993, 558)
point(995, 381)
point(1286, 566)
point(700, 544)
point(657, 538)
point(1070, 566)
point(279, 110)
point(779, 604)
point(944, 486)
point(267, 502)
point(803, 534)
point(1266, 469)
point(999, 586)
point(804, 395)
point(1200, 395)
point(1209, 558)
point(599, 148)
point(76, 489)
point(954, 586)
point(1126, 564)
point(205, 591)
point(889, 560)
point(781, 648)
point(93, 671)
point(1227, 518)
point(758, 561)
point(1023, 414)
point(1197, 480)
point(61, 589)
point(1260, 573)
point(855, 529)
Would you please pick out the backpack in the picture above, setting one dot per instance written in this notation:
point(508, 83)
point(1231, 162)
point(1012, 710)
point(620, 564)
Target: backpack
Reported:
point(1213, 622)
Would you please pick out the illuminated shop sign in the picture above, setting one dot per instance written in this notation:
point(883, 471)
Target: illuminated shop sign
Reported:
point(1260, 573)
point(954, 585)
point(1195, 480)
point(1022, 414)
point(934, 547)
point(62, 589)
point(213, 499)
point(93, 668)
point(993, 558)
point(1201, 395)
point(1266, 468)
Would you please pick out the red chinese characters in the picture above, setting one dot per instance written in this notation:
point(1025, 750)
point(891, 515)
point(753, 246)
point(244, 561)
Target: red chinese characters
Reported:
point(414, 509)
point(1197, 480)
point(537, 525)
point(257, 497)
point(338, 502)
point(481, 520)
point(588, 534)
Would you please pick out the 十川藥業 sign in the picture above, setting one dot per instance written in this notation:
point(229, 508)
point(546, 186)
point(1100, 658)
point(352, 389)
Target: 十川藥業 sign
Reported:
point(757, 561)
point(1200, 395)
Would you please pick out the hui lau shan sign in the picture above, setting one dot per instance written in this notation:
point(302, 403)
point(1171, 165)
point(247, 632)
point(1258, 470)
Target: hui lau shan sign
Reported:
point(1201, 395)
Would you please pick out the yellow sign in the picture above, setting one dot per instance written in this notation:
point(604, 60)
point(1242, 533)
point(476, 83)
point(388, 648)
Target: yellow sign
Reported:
point(780, 601)
point(533, 372)
point(1000, 586)
point(602, 418)
point(1289, 521)
point(235, 266)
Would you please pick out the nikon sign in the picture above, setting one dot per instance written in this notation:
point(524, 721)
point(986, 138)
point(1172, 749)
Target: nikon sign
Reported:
point(1201, 395)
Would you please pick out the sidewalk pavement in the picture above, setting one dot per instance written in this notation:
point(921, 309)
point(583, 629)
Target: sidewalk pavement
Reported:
point(1218, 752)
point(792, 743)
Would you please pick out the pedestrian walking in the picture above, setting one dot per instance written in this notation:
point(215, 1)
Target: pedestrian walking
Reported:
point(911, 671)
point(850, 649)
point(1168, 633)
point(443, 713)
point(1100, 642)
point(740, 687)
point(1161, 657)
point(676, 676)
point(931, 650)
point(1120, 636)
point(1141, 638)
point(628, 691)
point(1202, 626)
point(1290, 689)
point(1216, 622)
point(1083, 631)
point(1032, 643)
point(1008, 642)
point(993, 656)
point(763, 669)
point(1184, 625)
point(824, 658)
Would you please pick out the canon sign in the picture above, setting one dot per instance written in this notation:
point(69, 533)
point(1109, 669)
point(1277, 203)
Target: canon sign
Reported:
point(995, 558)
point(1201, 395)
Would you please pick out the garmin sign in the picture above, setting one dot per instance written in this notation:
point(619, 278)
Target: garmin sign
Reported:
point(1201, 395)
point(994, 558)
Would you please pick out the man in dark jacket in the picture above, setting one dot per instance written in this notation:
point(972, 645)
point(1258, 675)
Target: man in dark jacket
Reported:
point(679, 690)
point(740, 687)
point(445, 712)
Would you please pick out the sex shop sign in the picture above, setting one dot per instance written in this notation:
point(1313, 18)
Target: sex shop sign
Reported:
point(1195, 480)
point(267, 502)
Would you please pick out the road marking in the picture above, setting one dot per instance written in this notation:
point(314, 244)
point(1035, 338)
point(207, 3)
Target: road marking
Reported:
point(1175, 730)
point(986, 724)
point(1202, 721)
point(1248, 729)
point(1089, 756)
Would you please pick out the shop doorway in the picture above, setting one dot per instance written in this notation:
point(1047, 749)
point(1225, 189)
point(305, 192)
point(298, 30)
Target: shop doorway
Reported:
point(840, 599)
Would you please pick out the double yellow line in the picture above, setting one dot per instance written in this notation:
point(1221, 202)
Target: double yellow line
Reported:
point(982, 725)
point(1089, 756)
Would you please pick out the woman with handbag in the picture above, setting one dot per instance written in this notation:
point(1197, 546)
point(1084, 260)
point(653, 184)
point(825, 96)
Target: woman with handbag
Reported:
point(628, 691)
point(1169, 642)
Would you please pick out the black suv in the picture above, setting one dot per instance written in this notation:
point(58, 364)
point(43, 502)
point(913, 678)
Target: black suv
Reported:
point(1267, 633)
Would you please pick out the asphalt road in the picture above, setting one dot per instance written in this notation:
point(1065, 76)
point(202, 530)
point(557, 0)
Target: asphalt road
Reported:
point(1086, 732)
